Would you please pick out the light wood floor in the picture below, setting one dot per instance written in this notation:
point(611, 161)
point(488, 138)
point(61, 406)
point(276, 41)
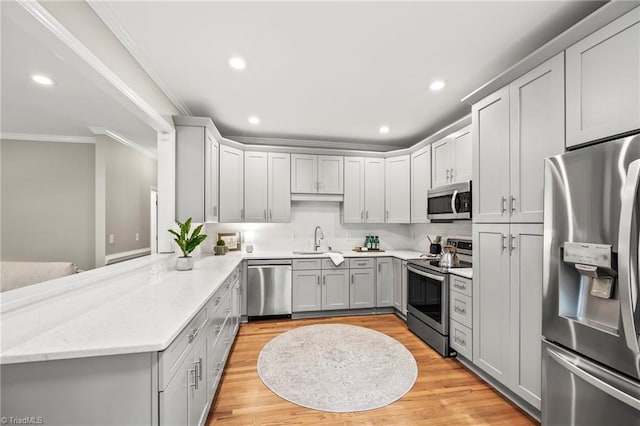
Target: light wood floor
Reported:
point(445, 393)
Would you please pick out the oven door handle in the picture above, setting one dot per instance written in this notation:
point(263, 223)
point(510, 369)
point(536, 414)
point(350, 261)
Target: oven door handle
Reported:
point(426, 274)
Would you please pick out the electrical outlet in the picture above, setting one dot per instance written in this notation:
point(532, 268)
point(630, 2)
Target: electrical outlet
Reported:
point(137, 236)
point(112, 239)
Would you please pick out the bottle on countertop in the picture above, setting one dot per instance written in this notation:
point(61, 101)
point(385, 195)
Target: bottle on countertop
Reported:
point(367, 242)
point(377, 243)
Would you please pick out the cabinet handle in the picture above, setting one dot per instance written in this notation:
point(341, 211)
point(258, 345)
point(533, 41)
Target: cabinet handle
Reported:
point(242, 214)
point(351, 279)
point(447, 177)
point(366, 215)
point(504, 243)
point(270, 216)
point(504, 204)
point(387, 214)
point(512, 243)
point(460, 341)
point(379, 265)
point(456, 285)
point(217, 329)
point(361, 215)
point(193, 334)
point(199, 367)
point(324, 279)
point(460, 310)
point(265, 215)
point(215, 210)
point(452, 174)
point(318, 279)
point(513, 204)
point(192, 374)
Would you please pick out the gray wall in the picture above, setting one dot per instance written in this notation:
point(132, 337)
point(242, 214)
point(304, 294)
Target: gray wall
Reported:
point(48, 200)
point(129, 178)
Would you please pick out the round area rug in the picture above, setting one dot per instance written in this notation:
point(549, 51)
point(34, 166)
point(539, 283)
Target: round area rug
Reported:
point(337, 368)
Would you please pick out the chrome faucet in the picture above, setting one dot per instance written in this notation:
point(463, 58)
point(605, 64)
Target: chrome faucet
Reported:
point(316, 238)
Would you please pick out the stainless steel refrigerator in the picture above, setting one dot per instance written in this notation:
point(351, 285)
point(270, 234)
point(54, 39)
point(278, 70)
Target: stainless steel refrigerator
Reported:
point(591, 314)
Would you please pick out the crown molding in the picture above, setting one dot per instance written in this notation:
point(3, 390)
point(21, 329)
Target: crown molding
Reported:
point(306, 143)
point(47, 138)
point(119, 138)
point(147, 113)
point(104, 12)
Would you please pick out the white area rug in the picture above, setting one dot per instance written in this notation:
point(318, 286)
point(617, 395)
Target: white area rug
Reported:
point(337, 368)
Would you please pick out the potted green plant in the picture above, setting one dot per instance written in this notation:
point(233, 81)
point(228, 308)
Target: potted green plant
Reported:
point(187, 242)
point(220, 247)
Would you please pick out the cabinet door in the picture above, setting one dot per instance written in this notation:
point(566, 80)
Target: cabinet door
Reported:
point(190, 162)
point(490, 135)
point(304, 173)
point(335, 289)
point(491, 340)
point(279, 183)
point(198, 392)
point(441, 163)
point(603, 81)
point(330, 174)
point(374, 211)
point(353, 205)
point(231, 184)
point(398, 189)
point(461, 165)
point(255, 186)
point(420, 184)
point(306, 291)
point(211, 178)
point(526, 311)
point(174, 400)
point(363, 289)
point(397, 285)
point(537, 132)
point(384, 282)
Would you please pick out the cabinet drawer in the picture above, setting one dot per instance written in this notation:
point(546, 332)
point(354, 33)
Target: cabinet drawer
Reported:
point(301, 264)
point(460, 308)
point(328, 264)
point(170, 358)
point(460, 285)
point(460, 339)
point(218, 310)
point(361, 263)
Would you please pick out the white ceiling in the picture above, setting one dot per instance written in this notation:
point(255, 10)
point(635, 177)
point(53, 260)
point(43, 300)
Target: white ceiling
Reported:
point(70, 107)
point(333, 71)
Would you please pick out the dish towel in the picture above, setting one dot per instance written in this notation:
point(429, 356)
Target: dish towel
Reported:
point(336, 258)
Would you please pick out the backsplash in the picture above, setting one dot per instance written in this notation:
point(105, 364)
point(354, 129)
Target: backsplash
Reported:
point(306, 215)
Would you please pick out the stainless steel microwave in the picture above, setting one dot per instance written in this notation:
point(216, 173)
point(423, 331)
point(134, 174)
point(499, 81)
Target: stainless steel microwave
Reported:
point(449, 202)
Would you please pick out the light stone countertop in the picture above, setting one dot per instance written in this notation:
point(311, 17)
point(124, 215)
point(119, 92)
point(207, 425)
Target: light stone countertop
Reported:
point(133, 307)
point(462, 272)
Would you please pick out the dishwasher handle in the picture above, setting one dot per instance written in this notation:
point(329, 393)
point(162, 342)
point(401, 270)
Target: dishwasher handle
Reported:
point(269, 262)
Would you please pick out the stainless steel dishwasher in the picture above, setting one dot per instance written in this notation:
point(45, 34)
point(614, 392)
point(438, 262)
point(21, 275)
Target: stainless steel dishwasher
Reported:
point(268, 288)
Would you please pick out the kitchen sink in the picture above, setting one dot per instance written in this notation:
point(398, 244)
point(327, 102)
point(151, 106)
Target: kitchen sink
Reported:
point(315, 252)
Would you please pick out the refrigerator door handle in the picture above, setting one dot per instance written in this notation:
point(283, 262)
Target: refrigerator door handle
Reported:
point(595, 381)
point(628, 288)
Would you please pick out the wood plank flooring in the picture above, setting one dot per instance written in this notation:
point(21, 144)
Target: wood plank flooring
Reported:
point(445, 393)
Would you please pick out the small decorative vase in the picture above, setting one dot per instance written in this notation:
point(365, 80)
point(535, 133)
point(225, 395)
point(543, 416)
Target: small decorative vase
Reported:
point(184, 263)
point(218, 250)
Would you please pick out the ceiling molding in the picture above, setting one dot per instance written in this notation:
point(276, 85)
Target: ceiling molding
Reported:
point(47, 138)
point(142, 108)
point(119, 138)
point(305, 143)
point(104, 12)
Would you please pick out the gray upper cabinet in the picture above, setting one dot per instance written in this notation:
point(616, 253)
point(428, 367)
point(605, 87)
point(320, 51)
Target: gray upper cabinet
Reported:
point(514, 130)
point(279, 187)
point(231, 184)
point(537, 132)
point(385, 282)
point(490, 133)
point(353, 205)
point(196, 173)
point(452, 158)
point(398, 189)
point(420, 184)
point(317, 174)
point(374, 202)
point(267, 194)
point(603, 82)
point(441, 169)
point(364, 193)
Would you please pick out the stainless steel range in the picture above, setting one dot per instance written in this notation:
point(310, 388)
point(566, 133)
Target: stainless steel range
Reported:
point(428, 297)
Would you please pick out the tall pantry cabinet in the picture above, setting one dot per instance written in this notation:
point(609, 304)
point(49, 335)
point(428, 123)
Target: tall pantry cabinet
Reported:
point(514, 130)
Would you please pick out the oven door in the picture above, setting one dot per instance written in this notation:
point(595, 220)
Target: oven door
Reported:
point(428, 298)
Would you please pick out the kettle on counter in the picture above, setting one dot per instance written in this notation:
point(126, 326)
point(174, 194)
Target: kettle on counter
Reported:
point(449, 258)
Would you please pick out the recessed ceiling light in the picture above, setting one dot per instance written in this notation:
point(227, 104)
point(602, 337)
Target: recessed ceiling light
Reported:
point(383, 129)
point(41, 79)
point(436, 85)
point(237, 63)
point(254, 120)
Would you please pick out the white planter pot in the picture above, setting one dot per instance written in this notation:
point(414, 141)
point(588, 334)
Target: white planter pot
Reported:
point(184, 263)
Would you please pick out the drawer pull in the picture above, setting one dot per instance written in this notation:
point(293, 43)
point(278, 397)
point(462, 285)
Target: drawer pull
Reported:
point(193, 374)
point(460, 341)
point(456, 285)
point(193, 334)
point(460, 310)
point(228, 310)
point(217, 329)
point(218, 366)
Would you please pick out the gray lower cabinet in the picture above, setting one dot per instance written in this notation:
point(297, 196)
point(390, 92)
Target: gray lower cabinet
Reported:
point(385, 282)
point(507, 305)
point(461, 316)
point(363, 288)
point(307, 291)
point(335, 289)
point(398, 291)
